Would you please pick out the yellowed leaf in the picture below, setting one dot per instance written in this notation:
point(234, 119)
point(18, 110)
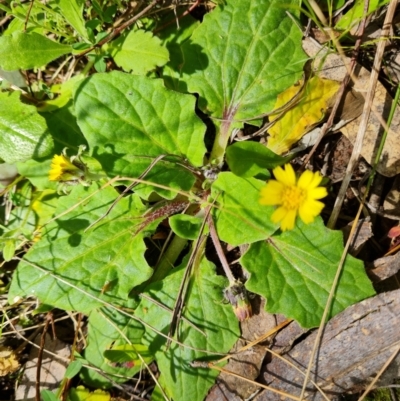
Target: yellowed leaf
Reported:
point(82, 394)
point(302, 117)
point(8, 361)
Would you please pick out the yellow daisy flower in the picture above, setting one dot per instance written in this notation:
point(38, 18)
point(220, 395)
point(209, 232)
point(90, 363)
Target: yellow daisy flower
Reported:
point(62, 169)
point(293, 196)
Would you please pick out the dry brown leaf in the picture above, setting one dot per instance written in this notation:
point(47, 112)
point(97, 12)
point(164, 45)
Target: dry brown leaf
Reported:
point(331, 66)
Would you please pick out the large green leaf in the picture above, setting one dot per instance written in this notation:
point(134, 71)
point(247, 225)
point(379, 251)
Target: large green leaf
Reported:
point(23, 50)
point(205, 309)
point(24, 133)
point(78, 269)
point(294, 271)
point(241, 57)
point(62, 126)
point(173, 39)
point(129, 120)
point(138, 51)
point(239, 217)
point(108, 327)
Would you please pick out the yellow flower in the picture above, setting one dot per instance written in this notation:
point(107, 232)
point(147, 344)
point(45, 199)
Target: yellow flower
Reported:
point(293, 196)
point(63, 170)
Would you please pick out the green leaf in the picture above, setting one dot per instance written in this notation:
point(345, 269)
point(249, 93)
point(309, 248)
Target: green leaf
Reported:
point(82, 394)
point(138, 51)
point(173, 39)
point(240, 219)
point(294, 271)
point(47, 395)
point(71, 10)
point(73, 369)
point(247, 159)
point(24, 132)
point(109, 328)
point(355, 14)
point(128, 355)
point(185, 226)
point(129, 120)
point(24, 51)
point(204, 308)
point(9, 250)
point(242, 56)
point(78, 270)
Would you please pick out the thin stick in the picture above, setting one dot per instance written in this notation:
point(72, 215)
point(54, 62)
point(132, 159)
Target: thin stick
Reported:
point(40, 356)
point(180, 300)
point(218, 248)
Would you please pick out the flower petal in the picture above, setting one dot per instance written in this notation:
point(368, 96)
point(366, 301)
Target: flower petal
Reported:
point(271, 194)
point(309, 210)
point(287, 176)
point(305, 179)
point(279, 214)
point(317, 193)
point(288, 221)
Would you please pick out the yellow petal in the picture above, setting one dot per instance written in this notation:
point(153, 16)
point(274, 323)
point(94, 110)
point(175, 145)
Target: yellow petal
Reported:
point(317, 193)
point(271, 194)
point(287, 176)
point(316, 180)
point(310, 209)
point(305, 179)
point(279, 214)
point(288, 221)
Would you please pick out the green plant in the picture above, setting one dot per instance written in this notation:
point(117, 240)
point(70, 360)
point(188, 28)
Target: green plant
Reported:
point(141, 130)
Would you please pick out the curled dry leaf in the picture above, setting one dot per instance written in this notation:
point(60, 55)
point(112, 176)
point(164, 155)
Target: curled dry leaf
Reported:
point(332, 66)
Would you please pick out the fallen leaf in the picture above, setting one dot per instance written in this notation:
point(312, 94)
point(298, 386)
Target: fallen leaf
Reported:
point(8, 361)
point(331, 66)
point(302, 117)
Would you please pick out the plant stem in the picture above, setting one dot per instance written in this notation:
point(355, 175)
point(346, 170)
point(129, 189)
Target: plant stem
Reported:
point(169, 258)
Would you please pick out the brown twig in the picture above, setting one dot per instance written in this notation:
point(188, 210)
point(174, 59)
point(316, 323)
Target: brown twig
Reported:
point(49, 318)
point(27, 15)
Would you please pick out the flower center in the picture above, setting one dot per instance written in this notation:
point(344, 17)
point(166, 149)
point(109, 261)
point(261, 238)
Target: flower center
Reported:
point(293, 197)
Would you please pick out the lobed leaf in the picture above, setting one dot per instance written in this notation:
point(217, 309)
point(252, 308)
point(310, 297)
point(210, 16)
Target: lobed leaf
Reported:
point(294, 271)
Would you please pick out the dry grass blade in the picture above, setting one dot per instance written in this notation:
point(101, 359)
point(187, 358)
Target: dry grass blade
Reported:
point(365, 115)
point(355, 156)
